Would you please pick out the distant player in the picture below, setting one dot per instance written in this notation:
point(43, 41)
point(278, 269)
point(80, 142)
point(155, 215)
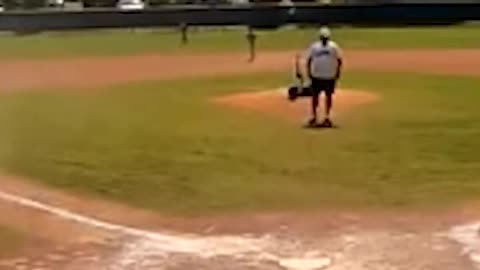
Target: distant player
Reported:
point(324, 65)
point(184, 30)
point(251, 38)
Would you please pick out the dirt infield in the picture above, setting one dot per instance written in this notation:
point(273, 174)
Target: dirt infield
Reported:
point(275, 102)
point(283, 240)
point(323, 240)
point(81, 74)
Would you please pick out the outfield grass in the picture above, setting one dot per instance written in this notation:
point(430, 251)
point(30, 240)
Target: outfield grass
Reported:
point(162, 146)
point(124, 42)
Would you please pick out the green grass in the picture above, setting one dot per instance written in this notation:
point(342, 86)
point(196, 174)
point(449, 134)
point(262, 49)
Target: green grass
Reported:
point(102, 43)
point(162, 146)
point(11, 241)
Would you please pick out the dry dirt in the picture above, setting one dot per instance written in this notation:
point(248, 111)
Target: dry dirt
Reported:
point(274, 102)
point(284, 240)
point(81, 74)
point(323, 239)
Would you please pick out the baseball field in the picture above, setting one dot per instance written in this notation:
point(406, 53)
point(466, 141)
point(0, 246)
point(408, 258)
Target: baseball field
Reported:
point(127, 150)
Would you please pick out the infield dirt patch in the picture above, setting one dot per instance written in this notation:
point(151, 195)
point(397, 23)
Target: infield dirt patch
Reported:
point(275, 102)
point(322, 239)
point(92, 73)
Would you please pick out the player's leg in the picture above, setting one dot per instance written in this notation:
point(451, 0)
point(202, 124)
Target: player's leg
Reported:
point(328, 107)
point(329, 91)
point(316, 87)
point(315, 97)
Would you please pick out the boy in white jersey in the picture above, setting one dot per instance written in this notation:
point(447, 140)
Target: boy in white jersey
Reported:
point(324, 64)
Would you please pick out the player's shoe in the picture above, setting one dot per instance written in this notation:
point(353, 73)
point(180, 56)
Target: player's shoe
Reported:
point(327, 123)
point(312, 122)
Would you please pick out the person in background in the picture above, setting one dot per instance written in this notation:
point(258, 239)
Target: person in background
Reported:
point(251, 38)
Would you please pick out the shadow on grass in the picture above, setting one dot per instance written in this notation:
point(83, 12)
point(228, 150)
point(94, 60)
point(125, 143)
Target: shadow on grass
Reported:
point(320, 126)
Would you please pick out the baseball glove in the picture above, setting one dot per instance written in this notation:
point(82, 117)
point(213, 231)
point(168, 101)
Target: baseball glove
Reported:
point(293, 93)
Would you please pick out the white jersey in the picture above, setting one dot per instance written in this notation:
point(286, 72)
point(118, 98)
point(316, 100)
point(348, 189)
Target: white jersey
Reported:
point(324, 59)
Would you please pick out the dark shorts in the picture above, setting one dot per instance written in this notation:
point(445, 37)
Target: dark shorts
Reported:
point(323, 85)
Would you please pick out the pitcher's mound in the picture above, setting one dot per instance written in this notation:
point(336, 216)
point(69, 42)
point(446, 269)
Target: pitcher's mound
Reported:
point(275, 102)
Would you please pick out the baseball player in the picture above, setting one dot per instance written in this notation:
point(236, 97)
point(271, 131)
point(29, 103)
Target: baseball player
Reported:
point(251, 38)
point(323, 65)
point(184, 30)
